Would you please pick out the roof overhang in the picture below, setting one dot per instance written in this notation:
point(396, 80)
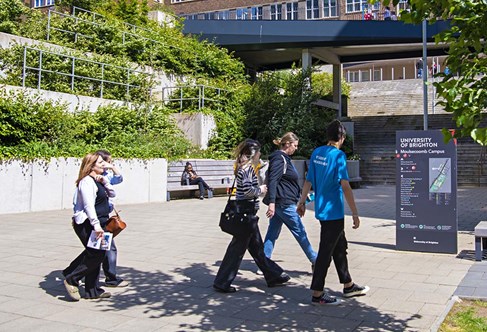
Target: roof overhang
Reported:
point(278, 44)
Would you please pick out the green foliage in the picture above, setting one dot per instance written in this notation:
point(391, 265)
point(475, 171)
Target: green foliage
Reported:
point(11, 12)
point(322, 84)
point(280, 102)
point(465, 96)
point(30, 129)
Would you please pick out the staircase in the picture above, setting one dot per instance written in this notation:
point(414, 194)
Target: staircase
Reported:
point(375, 141)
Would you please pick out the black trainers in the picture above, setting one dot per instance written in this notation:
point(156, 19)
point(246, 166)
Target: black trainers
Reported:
point(281, 280)
point(325, 299)
point(355, 290)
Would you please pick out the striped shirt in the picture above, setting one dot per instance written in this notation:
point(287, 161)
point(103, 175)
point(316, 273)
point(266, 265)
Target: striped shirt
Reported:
point(247, 185)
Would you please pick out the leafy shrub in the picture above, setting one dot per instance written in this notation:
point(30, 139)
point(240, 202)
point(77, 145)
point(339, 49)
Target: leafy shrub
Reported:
point(30, 129)
point(280, 102)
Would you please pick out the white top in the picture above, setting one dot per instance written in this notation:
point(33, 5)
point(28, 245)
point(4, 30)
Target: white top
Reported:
point(84, 201)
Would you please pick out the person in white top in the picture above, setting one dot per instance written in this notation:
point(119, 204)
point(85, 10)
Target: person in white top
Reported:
point(91, 214)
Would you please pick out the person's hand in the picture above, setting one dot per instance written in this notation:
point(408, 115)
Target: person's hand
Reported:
point(108, 165)
point(100, 178)
point(263, 189)
point(301, 210)
point(356, 222)
point(99, 234)
point(270, 210)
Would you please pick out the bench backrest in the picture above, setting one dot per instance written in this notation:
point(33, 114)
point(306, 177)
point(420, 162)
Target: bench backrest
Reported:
point(217, 173)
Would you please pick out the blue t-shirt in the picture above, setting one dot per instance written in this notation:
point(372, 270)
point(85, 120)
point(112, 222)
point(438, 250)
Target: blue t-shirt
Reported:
point(327, 167)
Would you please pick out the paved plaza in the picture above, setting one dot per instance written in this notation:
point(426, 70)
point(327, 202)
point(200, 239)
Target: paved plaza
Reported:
point(170, 253)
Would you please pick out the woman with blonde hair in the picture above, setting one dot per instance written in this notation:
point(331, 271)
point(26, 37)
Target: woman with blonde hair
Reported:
point(248, 190)
point(91, 214)
point(283, 192)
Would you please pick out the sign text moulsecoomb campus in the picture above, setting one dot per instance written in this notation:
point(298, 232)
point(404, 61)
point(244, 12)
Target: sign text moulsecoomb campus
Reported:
point(426, 192)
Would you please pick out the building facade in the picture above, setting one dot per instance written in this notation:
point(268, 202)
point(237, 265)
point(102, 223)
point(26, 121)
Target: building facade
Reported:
point(280, 10)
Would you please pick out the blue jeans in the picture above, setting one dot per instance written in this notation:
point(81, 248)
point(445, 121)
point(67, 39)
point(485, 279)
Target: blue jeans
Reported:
point(110, 266)
point(287, 214)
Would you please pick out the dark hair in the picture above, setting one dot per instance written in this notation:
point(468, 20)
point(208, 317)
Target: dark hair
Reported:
point(335, 131)
point(245, 151)
point(105, 155)
point(187, 165)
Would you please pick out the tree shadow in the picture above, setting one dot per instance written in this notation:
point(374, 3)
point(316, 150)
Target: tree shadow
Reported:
point(186, 299)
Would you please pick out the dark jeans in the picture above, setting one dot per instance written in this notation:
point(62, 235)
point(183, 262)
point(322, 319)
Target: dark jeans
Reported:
point(88, 266)
point(109, 265)
point(332, 244)
point(202, 185)
point(233, 258)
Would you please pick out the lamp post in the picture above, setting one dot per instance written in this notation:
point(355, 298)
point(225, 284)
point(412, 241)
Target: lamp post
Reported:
point(425, 79)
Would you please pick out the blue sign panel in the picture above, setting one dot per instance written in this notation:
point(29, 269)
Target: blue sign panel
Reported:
point(426, 192)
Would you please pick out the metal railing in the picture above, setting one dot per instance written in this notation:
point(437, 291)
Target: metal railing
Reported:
point(126, 35)
point(193, 96)
point(73, 76)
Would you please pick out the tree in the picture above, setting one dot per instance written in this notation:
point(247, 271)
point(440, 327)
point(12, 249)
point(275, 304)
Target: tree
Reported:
point(465, 95)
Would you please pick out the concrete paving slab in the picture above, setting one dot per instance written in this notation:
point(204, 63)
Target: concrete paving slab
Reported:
point(170, 253)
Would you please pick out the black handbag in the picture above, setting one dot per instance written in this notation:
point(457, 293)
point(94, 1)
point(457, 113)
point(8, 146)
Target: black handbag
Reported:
point(234, 221)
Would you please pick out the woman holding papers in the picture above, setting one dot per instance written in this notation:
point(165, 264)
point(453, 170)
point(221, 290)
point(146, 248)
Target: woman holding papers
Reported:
point(91, 214)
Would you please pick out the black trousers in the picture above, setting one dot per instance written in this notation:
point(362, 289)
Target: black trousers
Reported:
point(333, 244)
point(89, 266)
point(233, 258)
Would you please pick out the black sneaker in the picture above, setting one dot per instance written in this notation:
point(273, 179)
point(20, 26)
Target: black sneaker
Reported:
point(325, 299)
point(281, 280)
point(355, 290)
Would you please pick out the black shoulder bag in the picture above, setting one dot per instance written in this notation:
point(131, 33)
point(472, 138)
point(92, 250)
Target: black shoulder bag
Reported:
point(234, 222)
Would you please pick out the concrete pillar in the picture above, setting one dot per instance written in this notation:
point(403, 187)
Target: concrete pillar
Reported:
point(307, 59)
point(337, 87)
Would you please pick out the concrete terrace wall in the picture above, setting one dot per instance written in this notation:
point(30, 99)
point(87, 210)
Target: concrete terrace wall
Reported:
point(400, 97)
point(49, 185)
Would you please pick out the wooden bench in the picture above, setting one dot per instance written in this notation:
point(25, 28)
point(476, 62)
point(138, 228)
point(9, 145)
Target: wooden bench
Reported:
point(218, 174)
point(480, 239)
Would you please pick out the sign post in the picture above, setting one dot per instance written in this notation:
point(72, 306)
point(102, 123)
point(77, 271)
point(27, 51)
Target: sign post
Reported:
point(426, 192)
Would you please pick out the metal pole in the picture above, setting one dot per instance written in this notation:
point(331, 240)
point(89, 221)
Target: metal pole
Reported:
point(425, 79)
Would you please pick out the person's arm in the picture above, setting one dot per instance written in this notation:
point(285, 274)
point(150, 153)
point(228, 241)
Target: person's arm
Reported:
point(274, 175)
point(347, 191)
point(116, 176)
point(302, 200)
point(87, 190)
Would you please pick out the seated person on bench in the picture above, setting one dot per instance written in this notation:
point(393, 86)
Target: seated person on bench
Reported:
point(189, 177)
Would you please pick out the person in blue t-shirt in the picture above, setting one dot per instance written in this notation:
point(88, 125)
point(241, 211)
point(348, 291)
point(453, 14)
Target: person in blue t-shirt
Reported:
point(327, 174)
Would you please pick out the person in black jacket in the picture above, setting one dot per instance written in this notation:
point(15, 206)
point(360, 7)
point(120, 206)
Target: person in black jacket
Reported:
point(283, 195)
point(189, 177)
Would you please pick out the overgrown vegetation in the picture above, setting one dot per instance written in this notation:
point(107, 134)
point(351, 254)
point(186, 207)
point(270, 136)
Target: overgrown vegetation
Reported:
point(31, 128)
point(276, 103)
point(283, 101)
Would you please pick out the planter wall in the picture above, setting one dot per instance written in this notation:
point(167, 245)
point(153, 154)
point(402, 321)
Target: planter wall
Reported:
point(49, 185)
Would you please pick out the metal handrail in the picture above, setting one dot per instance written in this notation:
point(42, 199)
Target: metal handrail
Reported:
point(201, 97)
point(73, 76)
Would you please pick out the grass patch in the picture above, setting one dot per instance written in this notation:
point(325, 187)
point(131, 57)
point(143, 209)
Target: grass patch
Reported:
point(466, 315)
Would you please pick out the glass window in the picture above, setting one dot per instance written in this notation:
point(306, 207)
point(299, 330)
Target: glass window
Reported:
point(359, 5)
point(224, 15)
point(312, 9)
point(329, 8)
point(256, 13)
point(292, 10)
point(276, 12)
point(240, 14)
